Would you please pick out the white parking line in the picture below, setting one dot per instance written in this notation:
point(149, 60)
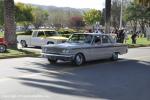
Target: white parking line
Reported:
point(135, 58)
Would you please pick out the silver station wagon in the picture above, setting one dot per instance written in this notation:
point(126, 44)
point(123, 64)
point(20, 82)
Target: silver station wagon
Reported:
point(82, 47)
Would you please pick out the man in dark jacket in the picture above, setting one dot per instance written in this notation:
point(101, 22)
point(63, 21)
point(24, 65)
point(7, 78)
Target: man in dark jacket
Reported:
point(133, 37)
point(120, 36)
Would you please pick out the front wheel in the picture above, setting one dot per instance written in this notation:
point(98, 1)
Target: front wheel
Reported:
point(114, 56)
point(52, 61)
point(2, 48)
point(23, 43)
point(79, 59)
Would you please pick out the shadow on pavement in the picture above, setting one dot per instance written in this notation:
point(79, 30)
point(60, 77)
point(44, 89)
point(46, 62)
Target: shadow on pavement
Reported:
point(128, 80)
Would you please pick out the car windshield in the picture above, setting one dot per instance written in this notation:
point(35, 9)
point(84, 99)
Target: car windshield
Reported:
point(80, 38)
point(50, 33)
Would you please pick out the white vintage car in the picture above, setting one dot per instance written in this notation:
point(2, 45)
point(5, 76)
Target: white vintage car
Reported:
point(82, 47)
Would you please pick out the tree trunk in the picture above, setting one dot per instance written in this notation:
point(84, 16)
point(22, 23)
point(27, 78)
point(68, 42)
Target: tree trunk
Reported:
point(107, 16)
point(142, 25)
point(9, 23)
point(134, 26)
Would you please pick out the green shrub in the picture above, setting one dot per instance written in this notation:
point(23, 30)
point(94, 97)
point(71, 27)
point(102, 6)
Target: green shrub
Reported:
point(29, 32)
point(1, 34)
point(66, 32)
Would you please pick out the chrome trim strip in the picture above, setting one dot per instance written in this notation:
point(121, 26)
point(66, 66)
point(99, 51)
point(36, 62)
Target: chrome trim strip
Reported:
point(56, 55)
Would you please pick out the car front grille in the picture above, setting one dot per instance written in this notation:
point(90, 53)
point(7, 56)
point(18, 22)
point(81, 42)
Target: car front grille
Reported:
point(52, 50)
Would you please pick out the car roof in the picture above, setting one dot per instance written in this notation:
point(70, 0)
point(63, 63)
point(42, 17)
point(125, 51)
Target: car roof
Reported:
point(93, 33)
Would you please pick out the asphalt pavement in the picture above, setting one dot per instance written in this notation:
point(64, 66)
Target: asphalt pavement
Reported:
point(35, 79)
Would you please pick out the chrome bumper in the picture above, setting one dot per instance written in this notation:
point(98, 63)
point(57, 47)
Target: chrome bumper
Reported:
point(58, 56)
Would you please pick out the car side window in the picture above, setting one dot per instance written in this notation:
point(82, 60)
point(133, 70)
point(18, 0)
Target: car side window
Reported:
point(97, 40)
point(105, 39)
point(50, 33)
point(40, 34)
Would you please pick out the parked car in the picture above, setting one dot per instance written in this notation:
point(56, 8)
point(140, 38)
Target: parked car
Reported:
point(82, 47)
point(3, 45)
point(40, 37)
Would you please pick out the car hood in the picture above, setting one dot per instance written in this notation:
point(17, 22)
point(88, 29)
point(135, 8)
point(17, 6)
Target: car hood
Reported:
point(58, 38)
point(68, 45)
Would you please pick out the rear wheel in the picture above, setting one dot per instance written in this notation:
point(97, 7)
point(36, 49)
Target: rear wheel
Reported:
point(52, 61)
point(2, 48)
point(114, 56)
point(79, 59)
point(23, 43)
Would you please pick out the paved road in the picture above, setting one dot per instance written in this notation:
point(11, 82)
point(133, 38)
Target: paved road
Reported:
point(35, 79)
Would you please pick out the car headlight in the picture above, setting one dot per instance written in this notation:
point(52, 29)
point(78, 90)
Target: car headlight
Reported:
point(66, 51)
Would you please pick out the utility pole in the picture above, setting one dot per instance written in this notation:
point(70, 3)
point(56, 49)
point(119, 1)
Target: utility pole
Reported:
point(121, 16)
point(107, 16)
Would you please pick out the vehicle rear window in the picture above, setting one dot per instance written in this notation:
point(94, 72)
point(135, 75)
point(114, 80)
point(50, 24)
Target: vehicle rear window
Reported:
point(51, 33)
point(81, 38)
point(41, 34)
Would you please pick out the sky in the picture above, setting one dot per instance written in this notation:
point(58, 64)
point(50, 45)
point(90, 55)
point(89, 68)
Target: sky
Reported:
point(96, 4)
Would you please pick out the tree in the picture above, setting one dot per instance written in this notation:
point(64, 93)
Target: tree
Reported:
point(1, 12)
point(61, 16)
point(115, 13)
point(23, 14)
point(102, 21)
point(145, 3)
point(107, 15)
point(147, 17)
point(131, 16)
point(76, 21)
point(92, 16)
point(39, 17)
point(9, 23)
point(138, 15)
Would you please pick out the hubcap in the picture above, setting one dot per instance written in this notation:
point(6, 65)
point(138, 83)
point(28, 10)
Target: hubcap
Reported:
point(23, 43)
point(79, 59)
point(115, 56)
point(2, 48)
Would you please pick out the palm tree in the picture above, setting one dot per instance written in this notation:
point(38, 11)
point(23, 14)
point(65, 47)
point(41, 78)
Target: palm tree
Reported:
point(145, 3)
point(9, 23)
point(107, 15)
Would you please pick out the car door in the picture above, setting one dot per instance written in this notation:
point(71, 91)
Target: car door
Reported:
point(101, 47)
point(97, 50)
point(107, 46)
point(38, 39)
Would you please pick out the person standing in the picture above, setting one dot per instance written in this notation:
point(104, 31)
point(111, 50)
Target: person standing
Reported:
point(133, 37)
point(90, 30)
point(125, 36)
point(120, 36)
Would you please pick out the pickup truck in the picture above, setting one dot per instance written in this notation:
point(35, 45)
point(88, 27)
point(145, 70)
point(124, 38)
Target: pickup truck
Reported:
point(3, 45)
point(40, 37)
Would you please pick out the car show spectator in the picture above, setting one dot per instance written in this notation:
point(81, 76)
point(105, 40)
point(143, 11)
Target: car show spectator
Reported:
point(90, 30)
point(133, 37)
point(120, 36)
point(126, 36)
